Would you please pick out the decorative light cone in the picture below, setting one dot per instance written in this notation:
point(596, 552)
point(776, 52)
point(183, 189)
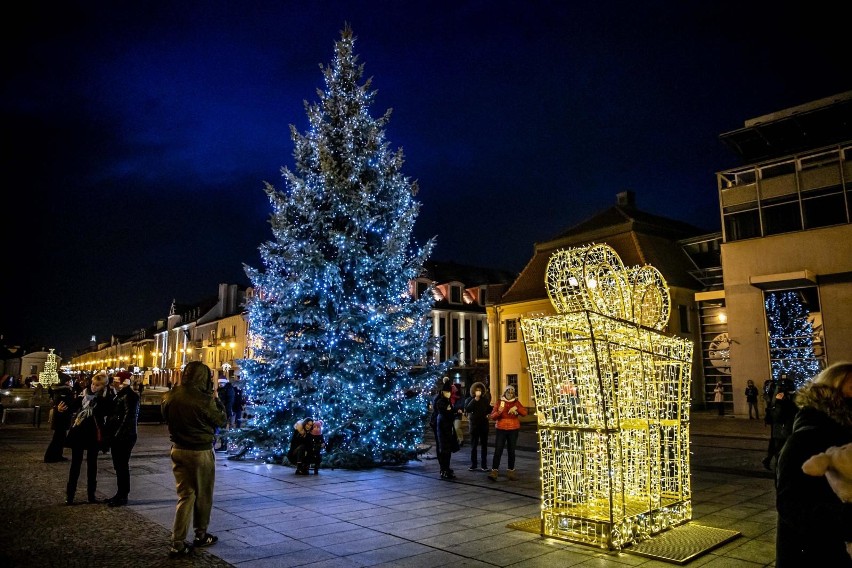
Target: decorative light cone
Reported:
point(612, 395)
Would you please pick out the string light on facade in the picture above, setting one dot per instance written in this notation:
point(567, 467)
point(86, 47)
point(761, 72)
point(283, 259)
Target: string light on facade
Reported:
point(612, 395)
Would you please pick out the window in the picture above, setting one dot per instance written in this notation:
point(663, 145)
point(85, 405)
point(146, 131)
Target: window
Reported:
point(512, 381)
point(511, 331)
point(483, 295)
point(420, 289)
point(796, 340)
point(455, 294)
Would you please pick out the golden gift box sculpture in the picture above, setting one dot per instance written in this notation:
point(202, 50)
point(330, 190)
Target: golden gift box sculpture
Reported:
point(612, 396)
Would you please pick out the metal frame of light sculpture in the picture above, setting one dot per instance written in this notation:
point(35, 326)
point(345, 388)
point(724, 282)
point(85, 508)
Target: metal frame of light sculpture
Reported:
point(612, 396)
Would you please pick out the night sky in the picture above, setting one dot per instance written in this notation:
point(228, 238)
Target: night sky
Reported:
point(138, 135)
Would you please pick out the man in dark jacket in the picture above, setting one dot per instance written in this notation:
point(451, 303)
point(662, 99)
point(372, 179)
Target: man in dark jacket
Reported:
point(122, 434)
point(478, 407)
point(60, 422)
point(193, 412)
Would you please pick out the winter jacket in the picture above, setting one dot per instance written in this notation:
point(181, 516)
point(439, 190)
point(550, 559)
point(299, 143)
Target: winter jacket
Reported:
point(305, 446)
point(782, 413)
point(445, 416)
point(813, 523)
point(61, 393)
point(507, 420)
point(192, 411)
point(122, 423)
point(751, 394)
point(478, 410)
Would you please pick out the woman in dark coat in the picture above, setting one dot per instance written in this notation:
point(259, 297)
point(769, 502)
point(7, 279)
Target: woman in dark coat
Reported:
point(123, 432)
point(301, 452)
point(814, 525)
point(85, 435)
point(59, 421)
point(443, 417)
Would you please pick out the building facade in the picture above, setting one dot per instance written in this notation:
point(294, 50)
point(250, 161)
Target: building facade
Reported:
point(786, 252)
point(639, 238)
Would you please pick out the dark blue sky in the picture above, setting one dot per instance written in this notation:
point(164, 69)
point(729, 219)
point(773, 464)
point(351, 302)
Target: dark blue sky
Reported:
point(138, 135)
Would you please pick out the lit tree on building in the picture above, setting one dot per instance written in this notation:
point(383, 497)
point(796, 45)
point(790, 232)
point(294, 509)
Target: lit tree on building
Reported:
point(336, 333)
point(791, 338)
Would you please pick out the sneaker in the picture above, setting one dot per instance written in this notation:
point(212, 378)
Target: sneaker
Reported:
point(484, 469)
point(206, 539)
point(184, 550)
point(472, 468)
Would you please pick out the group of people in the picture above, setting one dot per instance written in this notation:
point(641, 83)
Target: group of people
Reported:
point(306, 445)
point(446, 421)
point(102, 418)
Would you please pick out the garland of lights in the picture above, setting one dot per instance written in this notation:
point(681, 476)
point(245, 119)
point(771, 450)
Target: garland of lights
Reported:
point(612, 395)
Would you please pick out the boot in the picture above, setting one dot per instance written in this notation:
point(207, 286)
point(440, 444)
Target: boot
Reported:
point(316, 470)
point(493, 475)
point(300, 469)
point(510, 473)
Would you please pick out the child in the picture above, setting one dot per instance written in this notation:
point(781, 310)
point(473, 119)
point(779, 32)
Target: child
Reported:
point(317, 445)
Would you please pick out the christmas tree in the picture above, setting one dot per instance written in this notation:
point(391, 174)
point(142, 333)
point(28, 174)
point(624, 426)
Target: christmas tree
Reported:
point(335, 331)
point(791, 338)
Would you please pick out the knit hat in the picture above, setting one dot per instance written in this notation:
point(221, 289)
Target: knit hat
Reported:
point(446, 387)
point(124, 377)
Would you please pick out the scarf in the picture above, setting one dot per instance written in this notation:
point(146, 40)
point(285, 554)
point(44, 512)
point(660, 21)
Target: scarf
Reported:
point(89, 403)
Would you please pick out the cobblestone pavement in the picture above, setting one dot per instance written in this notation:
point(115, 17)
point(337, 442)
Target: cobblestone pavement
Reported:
point(731, 489)
point(38, 529)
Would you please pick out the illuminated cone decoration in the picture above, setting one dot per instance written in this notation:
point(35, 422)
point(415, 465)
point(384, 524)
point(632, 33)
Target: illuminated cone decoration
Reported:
point(612, 395)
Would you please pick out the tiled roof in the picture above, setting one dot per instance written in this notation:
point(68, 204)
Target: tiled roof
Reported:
point(440, 271)
point(638, 237)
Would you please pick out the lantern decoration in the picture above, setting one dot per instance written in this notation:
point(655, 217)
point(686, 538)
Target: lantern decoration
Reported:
point(612, 396)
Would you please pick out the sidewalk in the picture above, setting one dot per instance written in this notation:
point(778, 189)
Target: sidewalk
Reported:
point(265, 515)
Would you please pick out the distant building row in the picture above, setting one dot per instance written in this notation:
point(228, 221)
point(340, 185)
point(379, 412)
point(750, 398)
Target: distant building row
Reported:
point(786, 226)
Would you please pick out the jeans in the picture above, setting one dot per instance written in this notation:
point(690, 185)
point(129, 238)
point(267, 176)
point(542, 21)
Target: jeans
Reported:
point(195, 475)
point(507, 439)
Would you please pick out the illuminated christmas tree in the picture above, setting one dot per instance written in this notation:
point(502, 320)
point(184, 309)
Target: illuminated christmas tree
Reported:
point(791, 338)
point(49, 376)
point(335, 331)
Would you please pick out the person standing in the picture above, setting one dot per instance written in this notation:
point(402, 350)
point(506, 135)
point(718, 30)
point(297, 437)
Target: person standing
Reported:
point(751, 398)
point(507, 413)
point(814, 527)
point(768, 393)
point(782, 415)
point(443, 416)
point(85, 435)
point(457, 401)
point(59, 421)
point(719, 397)
point(226, 395)
point(122, 428)
point(193, 412)
point(478, 407)
point(239, 406)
